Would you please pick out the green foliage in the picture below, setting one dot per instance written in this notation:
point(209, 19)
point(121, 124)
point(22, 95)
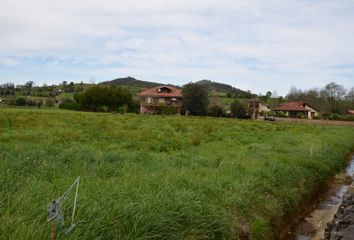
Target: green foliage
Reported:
point(224, 90)
point(195, 99)
point(300, 115)
point(160, 177)
point(332, 98)
point(70, 106)
point(280, 114)
point(20, 101)
point(49, 102)
point(166, 110)
point(216, 111)
point(345, 117)
point(238, 110)
point(334, 117)
point(103, 98)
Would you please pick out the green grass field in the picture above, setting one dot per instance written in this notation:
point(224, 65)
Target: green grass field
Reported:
point(160, 177)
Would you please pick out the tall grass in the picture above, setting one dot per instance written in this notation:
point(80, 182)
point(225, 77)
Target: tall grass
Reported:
point(160, 177)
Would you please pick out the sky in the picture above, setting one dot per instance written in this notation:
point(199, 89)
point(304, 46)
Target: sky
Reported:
point(257, 45)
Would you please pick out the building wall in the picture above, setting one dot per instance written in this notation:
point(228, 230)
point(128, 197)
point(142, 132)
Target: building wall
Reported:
point(313, 112)
point(146, 107)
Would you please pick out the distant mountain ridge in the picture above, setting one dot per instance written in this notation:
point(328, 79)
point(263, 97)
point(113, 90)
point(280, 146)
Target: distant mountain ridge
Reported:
point(212, 87)
point(130, 81)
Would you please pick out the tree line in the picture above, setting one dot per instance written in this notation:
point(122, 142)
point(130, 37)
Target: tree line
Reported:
point(332, 98)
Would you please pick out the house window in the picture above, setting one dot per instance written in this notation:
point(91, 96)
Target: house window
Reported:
point(174, 99)
point(149, 100)
point(161, 100)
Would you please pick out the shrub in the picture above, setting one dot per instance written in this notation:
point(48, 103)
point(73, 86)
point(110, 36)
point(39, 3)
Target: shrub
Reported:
point(20, 102)
point(166, 110)
point(238, 110)
point(343, 117)
point(280, 114)
point(216, 111)
point(49, 102)
point(11, 101)
point(39, 103)
point(300, 115)
point(70, 106)
point(334, 117)
point(325, 116)
point(134, 106)
point(100, 97)
point(30, 102)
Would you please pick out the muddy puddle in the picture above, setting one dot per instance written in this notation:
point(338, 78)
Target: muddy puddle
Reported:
point(314, 225)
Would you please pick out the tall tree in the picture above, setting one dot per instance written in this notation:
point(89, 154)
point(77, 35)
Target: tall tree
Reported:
point(334, 93)
point(238, 109)
point(29, 85)
point(195, 99)
point(98, 98)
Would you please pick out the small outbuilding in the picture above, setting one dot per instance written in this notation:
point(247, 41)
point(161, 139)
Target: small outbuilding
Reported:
point(296, 109)
point(257, 107)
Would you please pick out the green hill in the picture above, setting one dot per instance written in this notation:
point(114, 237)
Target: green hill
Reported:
point(217, 88)
point(131, 82)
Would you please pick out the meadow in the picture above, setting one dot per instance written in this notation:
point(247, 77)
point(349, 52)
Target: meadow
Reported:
point(161, 177)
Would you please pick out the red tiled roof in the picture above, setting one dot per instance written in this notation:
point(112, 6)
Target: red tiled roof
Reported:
point(351, 112)
point(154, 92)
point(292, 106)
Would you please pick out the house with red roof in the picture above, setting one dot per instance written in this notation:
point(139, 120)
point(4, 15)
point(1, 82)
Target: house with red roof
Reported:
point(350, 112)
point(153, 98)
point(296, 109)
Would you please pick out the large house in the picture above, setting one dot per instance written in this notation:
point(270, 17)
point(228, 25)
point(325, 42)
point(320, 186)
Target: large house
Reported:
point(295, 109)
point(257, 107)
point(167, 95)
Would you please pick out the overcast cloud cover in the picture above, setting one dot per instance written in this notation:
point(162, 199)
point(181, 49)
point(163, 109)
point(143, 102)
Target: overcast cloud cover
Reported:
point(255, 45)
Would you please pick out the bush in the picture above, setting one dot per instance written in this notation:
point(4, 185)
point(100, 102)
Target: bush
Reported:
point(30, 102)
point(238, 110)
point(345, 117)
point(134, 107)
point(334, 117)
point(49, 102)
point(300, 115)
point(216, 111)
point(280, 114)
point(70, 106)
point(20, 102)
point(107, 98)
point(166, 110)
point(39, 103)
point(11, 101)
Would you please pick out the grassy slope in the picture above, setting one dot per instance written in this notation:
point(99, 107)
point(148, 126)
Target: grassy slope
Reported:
point(155, 177)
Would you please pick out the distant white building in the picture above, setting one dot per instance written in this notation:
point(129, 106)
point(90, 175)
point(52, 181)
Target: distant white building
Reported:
point(257, 107)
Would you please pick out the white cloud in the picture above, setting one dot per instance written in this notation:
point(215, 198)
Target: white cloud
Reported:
point(257, 45)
